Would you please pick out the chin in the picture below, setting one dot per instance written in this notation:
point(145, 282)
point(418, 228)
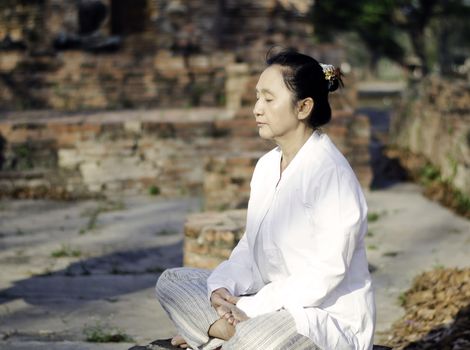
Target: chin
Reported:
point(265, 135)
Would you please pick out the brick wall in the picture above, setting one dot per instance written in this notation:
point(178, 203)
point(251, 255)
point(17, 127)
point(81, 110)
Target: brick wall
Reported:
point(174, 151)
point(180, 54)
point(90, 154)
point(433, 122)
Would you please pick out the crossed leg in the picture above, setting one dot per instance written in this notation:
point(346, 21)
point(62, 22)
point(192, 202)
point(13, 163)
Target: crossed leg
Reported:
point(182, 292)
point(272, 331)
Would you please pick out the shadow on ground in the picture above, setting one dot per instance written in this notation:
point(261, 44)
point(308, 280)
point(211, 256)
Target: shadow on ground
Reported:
point(386, 171)
point(96, 278)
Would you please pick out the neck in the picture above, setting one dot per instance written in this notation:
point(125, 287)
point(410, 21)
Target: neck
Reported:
point(291, 145)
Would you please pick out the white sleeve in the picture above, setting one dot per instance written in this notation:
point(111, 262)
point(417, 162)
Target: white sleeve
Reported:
point(235, 273)
point(336, 215)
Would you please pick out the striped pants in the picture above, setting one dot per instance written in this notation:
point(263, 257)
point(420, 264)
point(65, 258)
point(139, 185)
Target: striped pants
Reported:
point(182, 292)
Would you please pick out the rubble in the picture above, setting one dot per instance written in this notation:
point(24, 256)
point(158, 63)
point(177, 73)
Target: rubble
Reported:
point(437, 312)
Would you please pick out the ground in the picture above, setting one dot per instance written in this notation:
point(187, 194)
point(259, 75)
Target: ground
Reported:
point(87, 269)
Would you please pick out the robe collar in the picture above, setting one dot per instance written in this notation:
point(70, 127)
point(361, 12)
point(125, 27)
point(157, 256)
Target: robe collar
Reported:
point(305, 151)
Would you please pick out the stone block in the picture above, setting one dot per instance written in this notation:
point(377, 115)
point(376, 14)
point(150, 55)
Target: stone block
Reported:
point(201, 261)
point(226, 180)
point(9, 60)
point(68, 158)
point(201, 62)
point(221, 253)
point(191, 245)
point(164, 62)
point(210, 237)
point(133, 126)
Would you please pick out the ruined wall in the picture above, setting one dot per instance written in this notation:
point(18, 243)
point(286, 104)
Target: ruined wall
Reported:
point(113, 54)
point(434, 122)
point(159, 151)
point(170, 152)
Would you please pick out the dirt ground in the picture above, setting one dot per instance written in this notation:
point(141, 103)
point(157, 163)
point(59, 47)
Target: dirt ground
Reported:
point(76, 273)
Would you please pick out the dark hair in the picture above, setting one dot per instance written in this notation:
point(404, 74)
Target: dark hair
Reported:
point(304, 76)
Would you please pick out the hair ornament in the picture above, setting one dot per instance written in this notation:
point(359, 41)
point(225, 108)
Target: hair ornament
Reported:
point(332, 75)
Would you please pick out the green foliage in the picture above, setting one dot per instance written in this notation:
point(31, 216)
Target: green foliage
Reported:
point(432, 28)
point(373, 216)
point(428, 174)
point(66, 251)
point(463, 202)
point(93, 215)
point(453, 164)
point(402, 299)
point(154, 190)
point(19, 232)
point(166, 232)
point(371, 20)
point(390, 254)
point(24, 156)
point(100, 333)
point(221, 99)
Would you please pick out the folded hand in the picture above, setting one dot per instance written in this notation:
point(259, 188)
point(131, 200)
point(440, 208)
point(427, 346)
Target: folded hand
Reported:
point(235, 316)
point(225, 305)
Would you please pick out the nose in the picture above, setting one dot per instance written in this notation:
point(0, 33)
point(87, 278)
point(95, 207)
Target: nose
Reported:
point(257, 110)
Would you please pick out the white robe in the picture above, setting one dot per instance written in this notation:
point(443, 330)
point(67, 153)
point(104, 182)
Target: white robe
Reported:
point(314, 254)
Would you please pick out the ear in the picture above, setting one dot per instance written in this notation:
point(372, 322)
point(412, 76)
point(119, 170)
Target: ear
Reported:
point(305, 106)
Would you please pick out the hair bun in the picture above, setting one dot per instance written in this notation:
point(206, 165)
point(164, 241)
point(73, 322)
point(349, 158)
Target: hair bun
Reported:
point(332, 76)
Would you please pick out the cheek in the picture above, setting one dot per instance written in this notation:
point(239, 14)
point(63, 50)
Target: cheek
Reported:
point(280, 113)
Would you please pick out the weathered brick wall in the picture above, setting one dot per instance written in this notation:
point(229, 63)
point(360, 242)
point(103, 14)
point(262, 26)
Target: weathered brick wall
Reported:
point(114, 151)
point(80, 81)
point(227, 180)
point(434, 122)
point(174, 152)
point(178, 55)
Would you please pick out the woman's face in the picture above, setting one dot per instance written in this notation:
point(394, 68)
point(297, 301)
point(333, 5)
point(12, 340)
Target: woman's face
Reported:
point(273, 110)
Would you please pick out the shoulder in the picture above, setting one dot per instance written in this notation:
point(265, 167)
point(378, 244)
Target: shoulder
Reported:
point(328, 168)
point(326, 160)
point(269, 156)
point(265, 165)
point(267, 159)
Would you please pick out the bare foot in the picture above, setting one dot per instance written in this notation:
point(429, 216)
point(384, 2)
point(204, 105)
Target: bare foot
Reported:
point(221, 329)
point(178, 341)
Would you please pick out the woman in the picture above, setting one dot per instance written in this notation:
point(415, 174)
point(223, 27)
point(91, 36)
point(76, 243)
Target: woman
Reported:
point(298, 278)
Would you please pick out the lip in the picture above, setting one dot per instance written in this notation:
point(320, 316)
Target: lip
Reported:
point(259, 123)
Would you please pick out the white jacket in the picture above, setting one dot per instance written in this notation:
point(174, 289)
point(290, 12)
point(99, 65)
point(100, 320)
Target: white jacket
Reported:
point(315, 250)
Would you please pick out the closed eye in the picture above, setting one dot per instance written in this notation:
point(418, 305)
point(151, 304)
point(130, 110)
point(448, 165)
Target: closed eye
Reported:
point(266, 99)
